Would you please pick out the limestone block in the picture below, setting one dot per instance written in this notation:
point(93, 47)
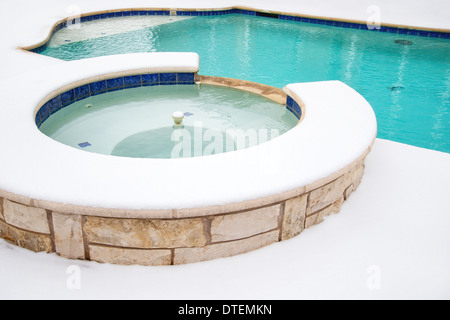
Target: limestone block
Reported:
point(137, 233)
point(130, 256)
point(330, 193)
point(226, 249)
point(2, 217)
point(243, 225)
point(68, 236)
point(349, 191)
point(294, 217)
point(29, 240)
point(318, 217)
point(24, 217)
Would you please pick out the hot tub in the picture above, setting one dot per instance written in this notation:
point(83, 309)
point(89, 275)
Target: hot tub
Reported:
point(84, 205)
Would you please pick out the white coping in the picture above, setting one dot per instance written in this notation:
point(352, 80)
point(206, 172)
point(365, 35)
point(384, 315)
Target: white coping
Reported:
point(338, 128)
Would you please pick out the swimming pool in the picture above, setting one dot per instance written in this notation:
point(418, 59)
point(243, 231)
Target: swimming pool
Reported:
point(406, 82)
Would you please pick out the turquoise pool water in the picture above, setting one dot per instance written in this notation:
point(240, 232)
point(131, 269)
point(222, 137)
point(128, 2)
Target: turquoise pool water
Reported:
point(407, 83)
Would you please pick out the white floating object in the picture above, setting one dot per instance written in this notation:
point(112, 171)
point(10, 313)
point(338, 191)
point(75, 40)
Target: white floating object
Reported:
point(178, 118)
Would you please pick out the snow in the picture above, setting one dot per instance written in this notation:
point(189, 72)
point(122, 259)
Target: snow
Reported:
point(394, 226)
point(390, 240)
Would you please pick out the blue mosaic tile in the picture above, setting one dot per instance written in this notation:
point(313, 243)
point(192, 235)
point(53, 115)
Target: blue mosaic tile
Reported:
point(118, 14)
point(96, 17)
point(168, 78)
point(114, 84)
point(150, 79)
point(134, 13)
point(434, 34)
point(98, 88)
point(81, 92)
point(55, 105)
point(37, 119)
point(111, 15)
point(297, 109)
point(103, 16)
point(143, 13)
point(67, 98)
point(365, 27)
point(44, 113)
point(289, 101)
point(127, 13)
point(185, 77)
point(89, 18)
point(159, 13)
point(151, 13)
point(392, 30)
point(445, 35)
point(293, 107)
point(84, 145)
point(132, 81)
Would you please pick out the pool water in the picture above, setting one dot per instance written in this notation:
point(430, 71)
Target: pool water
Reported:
point(406, 79)
point(138, 122)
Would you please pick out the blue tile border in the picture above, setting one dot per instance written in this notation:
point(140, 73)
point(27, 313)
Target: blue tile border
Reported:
point(294, 107)
point(339, 24)
point(100, 87)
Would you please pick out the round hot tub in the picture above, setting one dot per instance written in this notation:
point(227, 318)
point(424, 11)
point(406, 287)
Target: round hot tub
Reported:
point(138, 122)
point(128, 201)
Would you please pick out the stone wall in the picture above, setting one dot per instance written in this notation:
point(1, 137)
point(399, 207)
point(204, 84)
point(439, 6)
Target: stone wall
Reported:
point(173, 241)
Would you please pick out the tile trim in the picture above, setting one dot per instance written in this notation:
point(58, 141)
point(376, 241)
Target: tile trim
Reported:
point(66, 98)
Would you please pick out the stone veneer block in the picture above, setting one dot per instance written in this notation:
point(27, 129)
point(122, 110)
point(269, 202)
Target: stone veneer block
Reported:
point(226, 249)
point(130, 256)
point(322, 214)
point(294, 217)
point(24, 217)
point(2, 217)
point(29, 240)
point(145, 234)
point(355, 176)
point(243, 225)
point(68, 236)
point(330, 193)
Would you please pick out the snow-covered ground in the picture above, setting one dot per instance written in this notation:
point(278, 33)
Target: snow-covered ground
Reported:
point(390, 240)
